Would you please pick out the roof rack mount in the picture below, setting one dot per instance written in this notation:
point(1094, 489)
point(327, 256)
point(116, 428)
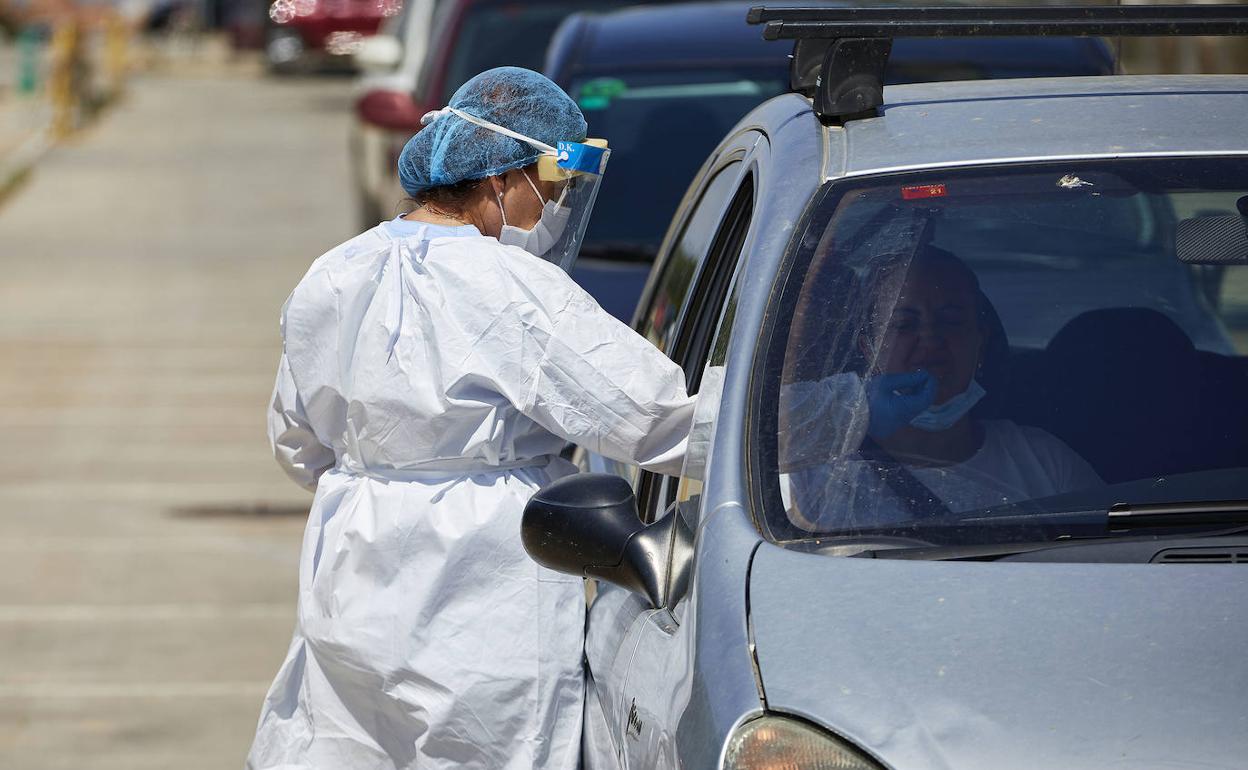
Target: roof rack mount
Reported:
point(839, 54)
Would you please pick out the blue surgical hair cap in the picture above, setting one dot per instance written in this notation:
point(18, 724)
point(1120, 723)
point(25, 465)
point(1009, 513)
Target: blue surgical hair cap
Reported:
point(451, 149)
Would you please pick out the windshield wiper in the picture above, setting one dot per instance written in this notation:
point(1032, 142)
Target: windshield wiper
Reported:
point(1193, 514)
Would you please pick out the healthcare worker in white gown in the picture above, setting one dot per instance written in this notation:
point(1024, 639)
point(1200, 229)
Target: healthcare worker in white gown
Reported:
point(433, 368)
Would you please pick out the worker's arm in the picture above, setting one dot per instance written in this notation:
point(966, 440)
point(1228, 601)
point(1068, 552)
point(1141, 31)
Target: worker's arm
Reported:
point(295, 445)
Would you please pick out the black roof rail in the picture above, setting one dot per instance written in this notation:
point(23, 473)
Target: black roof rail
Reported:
point(839, 53)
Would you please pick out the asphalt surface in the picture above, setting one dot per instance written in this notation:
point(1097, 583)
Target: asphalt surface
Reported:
point(148, 542)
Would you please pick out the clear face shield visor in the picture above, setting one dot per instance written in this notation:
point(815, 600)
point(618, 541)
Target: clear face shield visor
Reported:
point(576, 170)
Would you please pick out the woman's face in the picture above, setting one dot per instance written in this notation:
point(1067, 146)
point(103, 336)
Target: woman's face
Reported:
point(518, 199)
point(933, 326)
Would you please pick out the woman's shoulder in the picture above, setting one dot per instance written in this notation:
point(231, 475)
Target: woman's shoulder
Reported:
point(372, 241)
point(512, 260)
point(1040, 442)
point(502, 272)
point(1010, 433)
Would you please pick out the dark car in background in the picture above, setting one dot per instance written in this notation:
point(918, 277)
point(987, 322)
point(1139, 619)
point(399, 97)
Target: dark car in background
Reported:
point(302, 34)
point(466, 37)
point(665, 83)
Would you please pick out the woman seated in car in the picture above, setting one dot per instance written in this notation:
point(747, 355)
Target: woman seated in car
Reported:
point(921, 451)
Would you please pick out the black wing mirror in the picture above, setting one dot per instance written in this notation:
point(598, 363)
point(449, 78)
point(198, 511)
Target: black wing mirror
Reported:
point(587, 525)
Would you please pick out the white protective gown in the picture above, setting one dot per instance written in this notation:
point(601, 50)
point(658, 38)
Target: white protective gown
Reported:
point(429, 380)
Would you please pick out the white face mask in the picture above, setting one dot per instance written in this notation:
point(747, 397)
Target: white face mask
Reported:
point(541, 238)
point(940, 417)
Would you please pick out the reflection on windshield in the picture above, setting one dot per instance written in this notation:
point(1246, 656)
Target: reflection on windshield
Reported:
point(1025, 343)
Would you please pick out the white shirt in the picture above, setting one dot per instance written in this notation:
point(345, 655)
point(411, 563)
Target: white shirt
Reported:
point(1015, 463)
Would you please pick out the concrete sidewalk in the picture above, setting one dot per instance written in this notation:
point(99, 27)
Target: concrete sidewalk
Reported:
point(148, 542)
point(24, 121)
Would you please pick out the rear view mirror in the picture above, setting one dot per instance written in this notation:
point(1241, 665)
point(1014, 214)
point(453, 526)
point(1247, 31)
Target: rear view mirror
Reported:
point(1214, 240)
point(587, 525)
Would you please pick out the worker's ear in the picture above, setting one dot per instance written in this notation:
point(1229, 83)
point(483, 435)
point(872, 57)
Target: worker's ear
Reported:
point(497, 184)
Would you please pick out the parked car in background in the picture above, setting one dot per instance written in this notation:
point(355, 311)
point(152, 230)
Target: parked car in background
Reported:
point(665, 83)
point(391, 62)
point(467, 37)
point(800, 597)
point(303, 34)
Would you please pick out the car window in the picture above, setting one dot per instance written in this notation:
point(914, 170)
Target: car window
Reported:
point(661, 320)
point(704, 308)
point(705, 305)
point(1081, 329)
point(659, 324)
point(662, 125)
point(703, 343)
point(507, 33)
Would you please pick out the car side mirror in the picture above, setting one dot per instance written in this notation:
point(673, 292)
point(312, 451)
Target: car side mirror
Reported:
point(587, 525)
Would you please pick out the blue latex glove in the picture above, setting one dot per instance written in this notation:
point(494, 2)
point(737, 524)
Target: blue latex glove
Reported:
point(896, 399)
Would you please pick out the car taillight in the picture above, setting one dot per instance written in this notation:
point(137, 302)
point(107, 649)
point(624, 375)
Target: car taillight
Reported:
point(390, 109)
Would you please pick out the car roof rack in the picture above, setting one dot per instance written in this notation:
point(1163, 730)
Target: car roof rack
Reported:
point(839, 53)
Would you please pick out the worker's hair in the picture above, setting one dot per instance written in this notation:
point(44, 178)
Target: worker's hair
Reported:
point(450, 198)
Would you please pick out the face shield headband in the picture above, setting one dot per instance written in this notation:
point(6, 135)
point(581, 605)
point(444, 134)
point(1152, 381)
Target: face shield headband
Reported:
point(577, 165)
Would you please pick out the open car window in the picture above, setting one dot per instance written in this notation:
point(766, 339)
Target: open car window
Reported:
point(1083, 328)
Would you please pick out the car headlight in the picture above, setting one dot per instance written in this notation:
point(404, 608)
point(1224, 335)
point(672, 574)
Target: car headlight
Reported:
point(779, 743)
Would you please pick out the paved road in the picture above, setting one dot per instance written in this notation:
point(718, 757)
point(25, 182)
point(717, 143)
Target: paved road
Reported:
point(147, 541)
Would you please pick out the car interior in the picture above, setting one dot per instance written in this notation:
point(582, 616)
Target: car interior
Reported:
point(1123, 384)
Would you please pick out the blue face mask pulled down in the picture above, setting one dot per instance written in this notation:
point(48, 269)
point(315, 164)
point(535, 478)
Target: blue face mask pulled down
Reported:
point(940, 417)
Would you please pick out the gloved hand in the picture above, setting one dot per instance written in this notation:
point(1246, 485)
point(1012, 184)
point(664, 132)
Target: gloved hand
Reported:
point(896, 399)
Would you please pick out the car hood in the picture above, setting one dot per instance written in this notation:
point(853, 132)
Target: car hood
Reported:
point(990, 664)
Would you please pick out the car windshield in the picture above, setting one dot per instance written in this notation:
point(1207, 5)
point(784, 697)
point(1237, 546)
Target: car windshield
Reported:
point(661, 126)
point(1079, 329)
point(507, 33)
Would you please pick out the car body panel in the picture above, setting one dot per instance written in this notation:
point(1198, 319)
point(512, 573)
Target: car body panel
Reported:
point(692, 678)
point(1046, 118)
point(986, 665)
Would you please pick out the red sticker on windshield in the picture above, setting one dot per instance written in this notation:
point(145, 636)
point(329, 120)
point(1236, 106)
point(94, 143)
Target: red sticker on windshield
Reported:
point(919, 191)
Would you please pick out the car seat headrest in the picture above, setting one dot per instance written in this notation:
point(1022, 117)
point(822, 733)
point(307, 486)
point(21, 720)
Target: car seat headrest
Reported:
point(1118, 332)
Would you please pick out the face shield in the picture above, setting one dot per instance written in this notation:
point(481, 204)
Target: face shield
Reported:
point(576, 169)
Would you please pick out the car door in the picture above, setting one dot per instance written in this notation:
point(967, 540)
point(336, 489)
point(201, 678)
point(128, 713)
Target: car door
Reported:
point(630, 718)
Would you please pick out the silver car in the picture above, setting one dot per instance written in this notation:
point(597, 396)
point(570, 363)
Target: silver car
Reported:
point(1047, 582)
